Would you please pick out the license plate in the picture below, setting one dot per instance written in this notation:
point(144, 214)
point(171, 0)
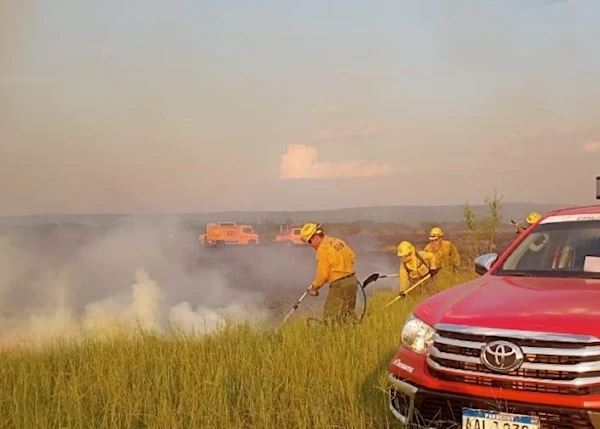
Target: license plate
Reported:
point(479, 419)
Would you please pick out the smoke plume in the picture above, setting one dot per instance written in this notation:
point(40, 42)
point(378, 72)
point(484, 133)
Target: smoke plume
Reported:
point(75, 277)
point(125, 278)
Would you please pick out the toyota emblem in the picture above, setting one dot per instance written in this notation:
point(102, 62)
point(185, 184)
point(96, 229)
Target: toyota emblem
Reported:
point(502, 356)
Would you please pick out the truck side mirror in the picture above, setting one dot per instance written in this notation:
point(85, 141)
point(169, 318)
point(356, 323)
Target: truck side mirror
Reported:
point(484, 262)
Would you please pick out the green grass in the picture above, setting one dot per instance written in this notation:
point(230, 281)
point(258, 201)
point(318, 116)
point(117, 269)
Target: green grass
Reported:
point(241, 377)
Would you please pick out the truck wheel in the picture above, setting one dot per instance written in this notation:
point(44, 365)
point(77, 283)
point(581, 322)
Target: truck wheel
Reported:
point(253, 242)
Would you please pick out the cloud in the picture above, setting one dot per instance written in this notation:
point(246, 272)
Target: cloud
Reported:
point(301, 162)
point(591, 146)
point(345, 132)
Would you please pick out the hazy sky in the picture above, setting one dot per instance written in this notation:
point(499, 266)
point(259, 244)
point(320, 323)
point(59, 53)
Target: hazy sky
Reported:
point(155, 106)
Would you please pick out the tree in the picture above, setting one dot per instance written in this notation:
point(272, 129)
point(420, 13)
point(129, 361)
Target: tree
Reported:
point(483, 229)
point(491, 222)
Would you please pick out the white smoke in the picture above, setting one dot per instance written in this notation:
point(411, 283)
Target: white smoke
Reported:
point(144, 308)
point(73, 281)
point(45, 308)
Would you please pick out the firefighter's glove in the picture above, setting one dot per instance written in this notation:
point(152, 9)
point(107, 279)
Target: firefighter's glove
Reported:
point(312, 291)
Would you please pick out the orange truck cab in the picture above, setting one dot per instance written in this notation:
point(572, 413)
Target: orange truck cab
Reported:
point(228, 233)
point(288, 235)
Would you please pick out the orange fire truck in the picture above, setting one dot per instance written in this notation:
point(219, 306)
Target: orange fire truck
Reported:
point(228, 233)
point(288, 235)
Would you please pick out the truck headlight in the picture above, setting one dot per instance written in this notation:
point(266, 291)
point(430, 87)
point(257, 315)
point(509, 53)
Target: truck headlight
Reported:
point(417, 334)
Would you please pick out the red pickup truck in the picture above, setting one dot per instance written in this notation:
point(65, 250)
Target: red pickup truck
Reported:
point(516, 348)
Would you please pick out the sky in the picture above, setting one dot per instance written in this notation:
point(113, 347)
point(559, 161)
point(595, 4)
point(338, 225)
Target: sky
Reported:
point(148, 106)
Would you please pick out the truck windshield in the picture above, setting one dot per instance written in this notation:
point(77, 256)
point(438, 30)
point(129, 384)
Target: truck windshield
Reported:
point(562, 249)
point(247, 230)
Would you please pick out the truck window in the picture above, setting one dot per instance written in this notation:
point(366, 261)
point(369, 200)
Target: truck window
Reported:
point(247, 230)
point(296, 232)
point(563, 249)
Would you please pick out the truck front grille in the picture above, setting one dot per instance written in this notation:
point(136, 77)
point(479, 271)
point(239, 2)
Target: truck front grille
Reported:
point(443, 411)
point(553, 363)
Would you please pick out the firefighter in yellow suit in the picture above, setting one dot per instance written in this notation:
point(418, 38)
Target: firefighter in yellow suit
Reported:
point(335, 265)
point(415, 265)
point(444, 250)
point(532, 218)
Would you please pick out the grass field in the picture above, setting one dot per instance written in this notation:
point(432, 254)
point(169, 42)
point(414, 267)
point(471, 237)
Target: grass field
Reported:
point(240, 377)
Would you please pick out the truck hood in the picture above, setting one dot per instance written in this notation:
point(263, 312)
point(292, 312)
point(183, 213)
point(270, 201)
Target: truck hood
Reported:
point(526, 303)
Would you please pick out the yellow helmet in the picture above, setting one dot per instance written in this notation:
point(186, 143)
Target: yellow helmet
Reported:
point(533, 217)
point(436, 232)
point(405, 248)
point(308, 230)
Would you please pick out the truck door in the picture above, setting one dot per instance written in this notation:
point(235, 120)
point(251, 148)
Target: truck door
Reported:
point(248, 234)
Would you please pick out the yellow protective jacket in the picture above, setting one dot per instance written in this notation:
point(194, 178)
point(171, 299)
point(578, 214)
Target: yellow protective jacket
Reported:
point(447, 254)
point(419, 266)
point(335, 259)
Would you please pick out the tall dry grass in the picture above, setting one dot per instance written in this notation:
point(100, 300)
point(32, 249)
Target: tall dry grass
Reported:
point(240, 377)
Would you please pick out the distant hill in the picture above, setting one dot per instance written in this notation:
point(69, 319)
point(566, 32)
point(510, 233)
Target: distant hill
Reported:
point(387, 214)
point(408, 215)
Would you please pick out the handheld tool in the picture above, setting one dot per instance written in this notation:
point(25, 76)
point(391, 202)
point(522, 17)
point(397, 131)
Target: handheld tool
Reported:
point(294, 307)
point(406, 292)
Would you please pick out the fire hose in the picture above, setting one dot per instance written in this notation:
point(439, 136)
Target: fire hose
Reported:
point(372, 278)
point(297, 304)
